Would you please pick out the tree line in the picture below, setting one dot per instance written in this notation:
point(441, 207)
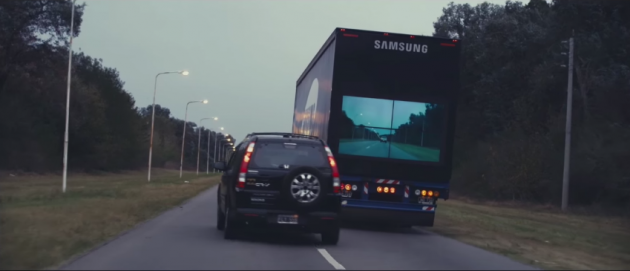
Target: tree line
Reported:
point(510, 130)
point(423, 129)
point(107, 131)
point(511, 119)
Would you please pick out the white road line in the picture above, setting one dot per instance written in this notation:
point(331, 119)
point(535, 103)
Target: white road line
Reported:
point(330, 259)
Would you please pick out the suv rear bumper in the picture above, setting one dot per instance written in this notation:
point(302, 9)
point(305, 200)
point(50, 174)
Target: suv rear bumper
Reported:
point(310, 222)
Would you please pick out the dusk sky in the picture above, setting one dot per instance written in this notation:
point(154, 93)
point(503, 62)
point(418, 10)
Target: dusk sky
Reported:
point(368, 111)
point(244, 56)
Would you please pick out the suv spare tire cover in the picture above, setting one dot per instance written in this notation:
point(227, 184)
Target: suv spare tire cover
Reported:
point(324, 185)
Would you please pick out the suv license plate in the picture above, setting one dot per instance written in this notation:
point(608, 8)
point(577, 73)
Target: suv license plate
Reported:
point(287, 219)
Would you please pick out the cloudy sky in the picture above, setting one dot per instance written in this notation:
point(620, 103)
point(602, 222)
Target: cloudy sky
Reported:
point(243, 56)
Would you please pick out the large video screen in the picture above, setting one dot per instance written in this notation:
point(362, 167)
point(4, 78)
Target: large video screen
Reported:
point(391, 129)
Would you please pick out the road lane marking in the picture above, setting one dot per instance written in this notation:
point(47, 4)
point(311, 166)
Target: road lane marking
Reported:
point(330, 259)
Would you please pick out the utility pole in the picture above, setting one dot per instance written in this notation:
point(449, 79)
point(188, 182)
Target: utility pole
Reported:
point(65, 135)
point(567, 135)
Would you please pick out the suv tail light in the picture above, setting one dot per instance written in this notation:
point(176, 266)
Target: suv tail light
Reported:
point(335, 171)
point(243, 172)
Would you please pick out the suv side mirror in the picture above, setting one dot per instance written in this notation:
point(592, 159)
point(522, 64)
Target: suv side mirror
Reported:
point(219, 166)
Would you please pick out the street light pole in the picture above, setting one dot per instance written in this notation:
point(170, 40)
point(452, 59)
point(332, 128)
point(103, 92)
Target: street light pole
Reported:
point(198, 147)
point(208, 153)
point(65, 136)
point(224, 141)
point(214, 154)
point(567, 138)
point(153, 119)
point(224, 144)
point(223, 151)
point(181, 163)
point(226, 150)
point(216, 136)
point(199, 143)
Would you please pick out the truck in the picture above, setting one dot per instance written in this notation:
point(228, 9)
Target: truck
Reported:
point(385, 104)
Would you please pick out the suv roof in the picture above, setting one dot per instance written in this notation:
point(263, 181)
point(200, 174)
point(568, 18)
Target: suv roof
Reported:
point(285, 136)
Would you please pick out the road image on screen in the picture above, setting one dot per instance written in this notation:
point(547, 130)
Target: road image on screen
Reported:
point(391, 129)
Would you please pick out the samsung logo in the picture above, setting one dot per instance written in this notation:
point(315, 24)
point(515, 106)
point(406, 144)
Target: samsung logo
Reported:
point(401, 46)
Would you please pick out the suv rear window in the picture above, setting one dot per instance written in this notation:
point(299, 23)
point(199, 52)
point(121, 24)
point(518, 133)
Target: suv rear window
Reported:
point(274, 155)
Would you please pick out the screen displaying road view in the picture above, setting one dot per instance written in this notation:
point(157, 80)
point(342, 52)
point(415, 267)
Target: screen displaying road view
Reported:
point(391, 129)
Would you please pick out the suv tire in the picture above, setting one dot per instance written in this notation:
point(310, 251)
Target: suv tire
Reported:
point(220, 214)
point(331, 236)
point(324, 184)
point(229, 231)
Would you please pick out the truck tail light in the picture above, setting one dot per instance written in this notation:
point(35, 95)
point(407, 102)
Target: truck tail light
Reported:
point(335, 171)
point(243, 171)
point(427, 193)
point(386, 189)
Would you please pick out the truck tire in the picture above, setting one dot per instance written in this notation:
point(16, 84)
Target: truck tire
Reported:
point(307, 180)
point(428, 222)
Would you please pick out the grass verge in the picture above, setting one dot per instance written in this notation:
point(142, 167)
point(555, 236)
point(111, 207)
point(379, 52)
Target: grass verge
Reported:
point(541, 237)
point(41, 227)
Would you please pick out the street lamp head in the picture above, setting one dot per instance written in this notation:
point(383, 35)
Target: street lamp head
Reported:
point(205, 101)
point(184, 72)
point(221, 128)
point(227, 135)
point(216, 118)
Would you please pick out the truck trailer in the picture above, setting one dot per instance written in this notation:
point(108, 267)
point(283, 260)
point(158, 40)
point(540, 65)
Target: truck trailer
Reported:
point(385, 104)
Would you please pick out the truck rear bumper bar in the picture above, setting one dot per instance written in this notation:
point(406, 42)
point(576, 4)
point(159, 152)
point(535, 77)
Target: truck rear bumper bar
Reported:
point(396, 206)
point(391, 213)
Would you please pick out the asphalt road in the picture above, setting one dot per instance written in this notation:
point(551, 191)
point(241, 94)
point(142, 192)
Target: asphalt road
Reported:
point(186, 238)
point(374, 149)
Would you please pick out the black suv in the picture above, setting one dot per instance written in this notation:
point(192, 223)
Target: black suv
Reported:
point(281, 180)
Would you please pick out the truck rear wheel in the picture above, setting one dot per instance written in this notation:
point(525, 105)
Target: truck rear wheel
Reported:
point(428, 222)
